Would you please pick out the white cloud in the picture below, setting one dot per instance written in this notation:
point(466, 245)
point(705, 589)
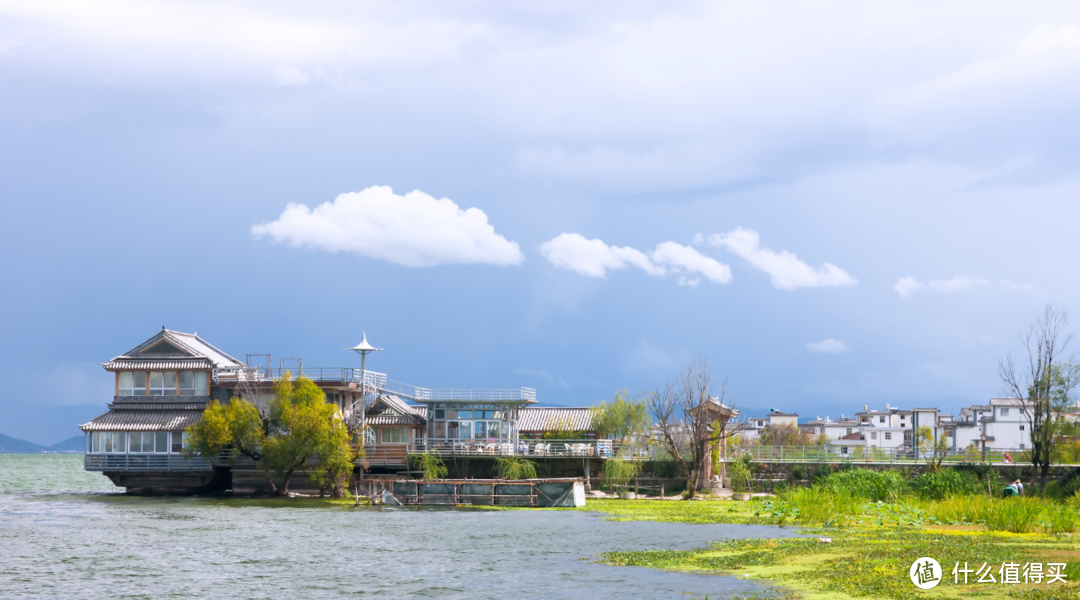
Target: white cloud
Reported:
point(290, 76)
point(784, 268)
point(686, 259)
point(1013, 286)
point(907, 286)
point(829, 346)
point(414, 230)
point(594, 258)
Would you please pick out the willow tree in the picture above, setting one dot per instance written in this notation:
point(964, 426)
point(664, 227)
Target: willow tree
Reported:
point(622, 418)
point(300, 427)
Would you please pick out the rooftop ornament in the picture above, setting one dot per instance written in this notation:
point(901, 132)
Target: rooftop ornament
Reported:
point(363, 348)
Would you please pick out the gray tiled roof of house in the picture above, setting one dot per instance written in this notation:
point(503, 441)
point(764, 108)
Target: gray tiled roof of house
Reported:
point(140, 363)
point(392, 420)
point(144, 420)
point(193, 349)
point(1007, 402)
point(537, 419)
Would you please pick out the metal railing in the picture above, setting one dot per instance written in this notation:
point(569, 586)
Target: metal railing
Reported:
point(373, 380)
point(385, 454)
point(859, 454)
point(144, 462)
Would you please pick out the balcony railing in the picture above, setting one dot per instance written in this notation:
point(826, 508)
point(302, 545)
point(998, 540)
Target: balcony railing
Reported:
point(144, 462)
point(374, 381)
point(396, 454)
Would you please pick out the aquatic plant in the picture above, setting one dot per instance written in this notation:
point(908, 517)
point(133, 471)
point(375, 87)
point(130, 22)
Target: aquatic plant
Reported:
point(946, 484)
point(877, 486)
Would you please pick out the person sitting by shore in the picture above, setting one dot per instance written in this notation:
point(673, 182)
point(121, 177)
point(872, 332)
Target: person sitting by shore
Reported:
point(1009, 491)
point(1019, 487)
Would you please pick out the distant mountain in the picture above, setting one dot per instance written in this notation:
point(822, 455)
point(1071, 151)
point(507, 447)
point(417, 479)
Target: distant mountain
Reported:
point(72, 444)
point(10, 445)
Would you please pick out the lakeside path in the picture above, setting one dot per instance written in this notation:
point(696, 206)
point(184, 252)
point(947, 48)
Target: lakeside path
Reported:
point(868, 557)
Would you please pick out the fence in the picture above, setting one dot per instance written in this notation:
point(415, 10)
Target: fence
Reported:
point(144, 462)
point(860, 454)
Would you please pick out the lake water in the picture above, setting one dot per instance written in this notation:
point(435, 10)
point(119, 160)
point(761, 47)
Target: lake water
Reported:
point(65, 533)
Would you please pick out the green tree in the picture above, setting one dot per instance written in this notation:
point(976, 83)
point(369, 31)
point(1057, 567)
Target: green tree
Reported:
point(622, 418)
point(515, 467)
point(784, 435)
point(430, 464)
point(235, 426)
point(1045, 383)
point(301, 427)
point(619, 473)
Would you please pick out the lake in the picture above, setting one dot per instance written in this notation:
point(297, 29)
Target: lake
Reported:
point(65, 533)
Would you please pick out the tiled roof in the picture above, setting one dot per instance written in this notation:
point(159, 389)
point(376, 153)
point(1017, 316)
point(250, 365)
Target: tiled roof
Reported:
point(393, 420)
point(406, 414)
point(190, 344)
point(536, 419)
point(139, 364)
point(1008, 402)
point(143, 420)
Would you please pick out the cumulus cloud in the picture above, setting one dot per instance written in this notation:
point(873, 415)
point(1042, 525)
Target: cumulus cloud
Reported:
point(688, 260)
point(907, 286)
point(415, 229)
point(594, 258)
point(829, 346)
point(784, 268)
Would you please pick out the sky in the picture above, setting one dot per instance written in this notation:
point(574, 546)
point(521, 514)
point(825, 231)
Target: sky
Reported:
point(836, 204)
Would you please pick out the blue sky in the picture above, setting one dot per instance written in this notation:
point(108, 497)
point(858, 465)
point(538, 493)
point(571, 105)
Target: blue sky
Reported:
point(836, 204)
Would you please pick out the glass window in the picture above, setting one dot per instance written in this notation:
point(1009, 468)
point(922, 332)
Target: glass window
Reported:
point(193, 383)
point(464, 414)
point(873, 435)
point(881, 419)
point(162, 383)
point(481, 430)
point(493, 429)
point(394, 435)
point(112, 441)
point(888, 435)
point(161, 441)
point(177, 442)
point(440, 413)
point(1004, 412)
point(132, 383)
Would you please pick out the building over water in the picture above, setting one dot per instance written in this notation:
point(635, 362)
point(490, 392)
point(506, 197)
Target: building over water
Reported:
point(164, 384)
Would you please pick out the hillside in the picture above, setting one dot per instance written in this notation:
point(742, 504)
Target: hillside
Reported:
point(10, 445)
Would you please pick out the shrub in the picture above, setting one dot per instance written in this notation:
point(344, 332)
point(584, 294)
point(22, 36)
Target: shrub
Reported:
point(946, 484)
point(884, 486)
point(798, 472)
point(740, 476)
point(821, 472)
